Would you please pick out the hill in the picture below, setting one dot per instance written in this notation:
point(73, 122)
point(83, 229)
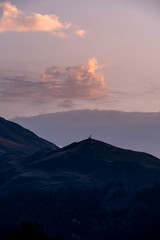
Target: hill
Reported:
point(16, 139)
point(17, 143)
point(88, 163)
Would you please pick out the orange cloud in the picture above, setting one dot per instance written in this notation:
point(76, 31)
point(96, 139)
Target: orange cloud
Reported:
point(60, 86)
point(78, 82)
point(80, 33)
point(93, 65)
point(13, 20)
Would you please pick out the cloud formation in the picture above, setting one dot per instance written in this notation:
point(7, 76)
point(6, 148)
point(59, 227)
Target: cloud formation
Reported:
point(78, 82)
point(14, 20)
point(81, 82)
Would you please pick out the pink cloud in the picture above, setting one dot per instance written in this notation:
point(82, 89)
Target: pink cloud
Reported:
point(76, 83)
point(13, 20)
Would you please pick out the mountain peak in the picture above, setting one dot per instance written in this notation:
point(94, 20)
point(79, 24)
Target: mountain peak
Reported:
point(93, 144)
point(91, 154)
point(89, 141)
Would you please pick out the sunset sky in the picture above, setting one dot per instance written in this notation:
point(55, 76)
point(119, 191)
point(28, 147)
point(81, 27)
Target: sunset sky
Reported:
point(68, 54)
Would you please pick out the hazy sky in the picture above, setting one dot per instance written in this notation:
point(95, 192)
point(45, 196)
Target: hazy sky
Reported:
point(61, 55)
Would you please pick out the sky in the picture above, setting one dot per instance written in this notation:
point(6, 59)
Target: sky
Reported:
point(90, 54)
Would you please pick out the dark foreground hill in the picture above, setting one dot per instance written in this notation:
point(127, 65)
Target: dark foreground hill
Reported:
point(89, 163)
point(87, 190)
point(93, 163)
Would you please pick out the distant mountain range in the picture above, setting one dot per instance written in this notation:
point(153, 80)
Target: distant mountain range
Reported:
point(132, 130)
point(85, 190)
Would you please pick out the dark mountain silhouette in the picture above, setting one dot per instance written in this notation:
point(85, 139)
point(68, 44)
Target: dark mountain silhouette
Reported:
point(16, 139)
point(87, 154)
point(88, 163)
point(17, 143)
point(86, 190)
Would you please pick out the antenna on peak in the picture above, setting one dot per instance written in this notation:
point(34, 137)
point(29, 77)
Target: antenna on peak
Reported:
point(90, 136)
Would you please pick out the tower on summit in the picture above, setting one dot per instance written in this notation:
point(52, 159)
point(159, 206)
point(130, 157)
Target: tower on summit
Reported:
point(90, 137)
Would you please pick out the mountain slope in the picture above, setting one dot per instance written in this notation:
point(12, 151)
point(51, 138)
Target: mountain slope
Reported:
point(16, 144)
point(90, 151)
point(16, 139)
point(88, 163)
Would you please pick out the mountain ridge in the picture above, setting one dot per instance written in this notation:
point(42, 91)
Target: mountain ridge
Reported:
point(91, 163)
point(16, 139)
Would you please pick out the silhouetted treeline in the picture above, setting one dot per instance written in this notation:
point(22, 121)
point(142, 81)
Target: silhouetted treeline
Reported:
point(29, 231)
